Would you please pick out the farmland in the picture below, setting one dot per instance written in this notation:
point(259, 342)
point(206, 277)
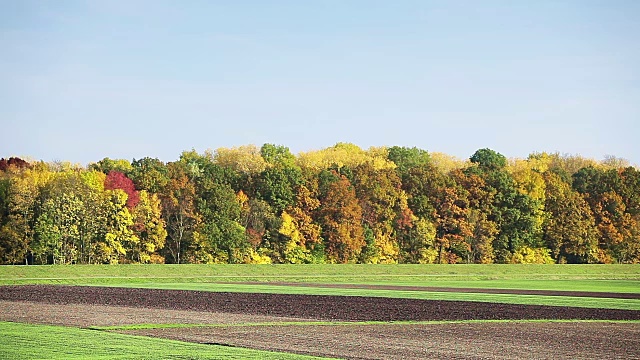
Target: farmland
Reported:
point(346, 311)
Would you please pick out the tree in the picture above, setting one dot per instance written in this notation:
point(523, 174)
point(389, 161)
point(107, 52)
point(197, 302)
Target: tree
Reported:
point(384, 208)
point(277, 182)
point(340, 217)
point(11, 248)
point(618, 225)
point(57, 228)
point(516, 214)
point(276, 186)
point(118, 236)
point(117, 180)
point(244, 159)
point(295, 252)
point(345, 154)
point(149, 174)
point(178, 211)
point(149, 228)
point(407, 158)
point(417, 243)
point(488, 159)
point(277, 155)
point(71, 218)
point(15, 162)
point(569, 229)
point(483, 229)
point(23, 201)
point(220, 236)
point(107, 165)
point(452, 227)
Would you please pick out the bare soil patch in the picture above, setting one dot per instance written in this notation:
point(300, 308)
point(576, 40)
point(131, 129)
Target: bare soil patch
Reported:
point(438, 341)
point(86, 315)
point(458, 290)
point(320, 307)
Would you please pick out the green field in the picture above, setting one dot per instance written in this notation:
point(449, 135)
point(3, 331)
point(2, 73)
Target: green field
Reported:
point(27, 341)
point(595, 278)
point(428, 275)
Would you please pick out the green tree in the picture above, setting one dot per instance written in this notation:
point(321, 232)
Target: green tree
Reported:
point(408, 158)
point(107, 165)
point(276, 184)
point(516, 214)
point(221, 237)
point(489, 160)
point(149, 174)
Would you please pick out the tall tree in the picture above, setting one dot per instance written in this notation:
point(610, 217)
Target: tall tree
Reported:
point(178, 211)
point(383, 203)
point(118, 237)
point(340, 216)
point(515, 213)
point(569, 229)
point(483, 229)
point(149, 228)
point(276, 184)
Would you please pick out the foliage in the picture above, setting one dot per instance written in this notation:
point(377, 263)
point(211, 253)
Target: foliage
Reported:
point(341, 204)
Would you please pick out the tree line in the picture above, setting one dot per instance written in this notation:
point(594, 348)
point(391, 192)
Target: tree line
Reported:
point(341, 204)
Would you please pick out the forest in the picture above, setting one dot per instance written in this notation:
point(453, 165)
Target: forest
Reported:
point(341, 204)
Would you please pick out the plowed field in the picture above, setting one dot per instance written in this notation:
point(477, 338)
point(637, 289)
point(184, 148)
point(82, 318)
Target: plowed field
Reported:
point(319, 307)
point(250, 320)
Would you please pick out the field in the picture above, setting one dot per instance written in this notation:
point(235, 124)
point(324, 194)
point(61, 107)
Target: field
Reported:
point(344, 311)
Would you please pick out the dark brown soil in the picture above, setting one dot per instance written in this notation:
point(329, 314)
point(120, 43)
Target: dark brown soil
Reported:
point(593, 294)
point(436, 341)
point(346, 308)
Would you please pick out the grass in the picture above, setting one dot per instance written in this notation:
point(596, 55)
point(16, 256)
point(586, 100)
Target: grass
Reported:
point(26, 341)
point(341, 323)
point(349, 273)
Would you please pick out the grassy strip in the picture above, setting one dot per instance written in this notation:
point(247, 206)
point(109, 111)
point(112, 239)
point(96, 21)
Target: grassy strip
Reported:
point(27, 341)
point(347, 273)
point(586, 302)
point(592, 285)
point(341, 323)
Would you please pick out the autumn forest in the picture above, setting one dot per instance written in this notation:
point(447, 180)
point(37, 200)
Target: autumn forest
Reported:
point(341, 204)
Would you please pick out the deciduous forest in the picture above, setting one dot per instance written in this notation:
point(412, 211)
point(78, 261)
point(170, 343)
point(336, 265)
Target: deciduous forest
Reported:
point(341, 204)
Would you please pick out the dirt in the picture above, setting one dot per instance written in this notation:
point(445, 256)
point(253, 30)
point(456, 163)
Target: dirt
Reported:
point(86, 315)
point(320, 307)
point(99, 306)
point(593, 294)
point(437, 341)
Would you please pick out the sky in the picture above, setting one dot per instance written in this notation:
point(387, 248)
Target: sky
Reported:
point(85, 80)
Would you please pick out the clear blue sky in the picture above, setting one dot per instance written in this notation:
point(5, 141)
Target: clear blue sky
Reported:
point(84, 80)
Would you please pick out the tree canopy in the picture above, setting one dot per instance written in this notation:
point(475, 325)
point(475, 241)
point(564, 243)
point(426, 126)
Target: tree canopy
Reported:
point(341, 204)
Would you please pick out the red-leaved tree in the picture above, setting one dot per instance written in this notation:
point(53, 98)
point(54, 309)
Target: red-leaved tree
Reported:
point(117, 180)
